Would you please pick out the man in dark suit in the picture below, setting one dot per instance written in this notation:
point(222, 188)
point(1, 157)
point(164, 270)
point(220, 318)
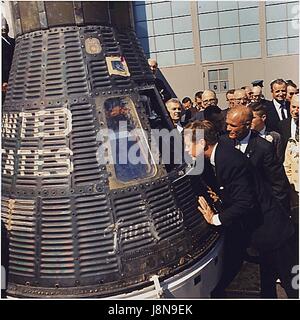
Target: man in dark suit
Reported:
point(249, 211)
point(260, 152)
point(258, 124)
point(231, 183)
point(160, 86)
point(289, 128)
point(277, 109)
point(8, 46)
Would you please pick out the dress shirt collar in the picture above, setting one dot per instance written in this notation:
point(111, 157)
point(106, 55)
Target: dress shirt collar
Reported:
point(244, 142)
point(278, 107)
point(262, 132)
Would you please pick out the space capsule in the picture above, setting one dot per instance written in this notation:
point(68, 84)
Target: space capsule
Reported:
point(81, 226)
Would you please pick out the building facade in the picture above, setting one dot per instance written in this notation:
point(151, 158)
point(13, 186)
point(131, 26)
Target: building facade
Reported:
point(220, 44)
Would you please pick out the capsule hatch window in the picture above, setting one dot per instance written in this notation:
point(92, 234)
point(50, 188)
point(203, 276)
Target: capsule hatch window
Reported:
point(130, 156)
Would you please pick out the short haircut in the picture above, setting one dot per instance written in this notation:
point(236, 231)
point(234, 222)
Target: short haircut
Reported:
point(230, 91)
point(210, 132)
point(277, 81)
point(291, 84)
point(246, 112)
point(199, 94)
point(258, 107)
point(173, 100)
point(186, 99)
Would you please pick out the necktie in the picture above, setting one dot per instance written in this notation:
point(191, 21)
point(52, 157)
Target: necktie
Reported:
point(282, 112)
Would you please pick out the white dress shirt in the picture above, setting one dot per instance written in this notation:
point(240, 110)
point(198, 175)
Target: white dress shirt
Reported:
point(293, 129)
point(278, 109)
point(215, 219)
point(242, 146)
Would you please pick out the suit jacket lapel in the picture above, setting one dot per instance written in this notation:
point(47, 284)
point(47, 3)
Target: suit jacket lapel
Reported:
point(251, 145)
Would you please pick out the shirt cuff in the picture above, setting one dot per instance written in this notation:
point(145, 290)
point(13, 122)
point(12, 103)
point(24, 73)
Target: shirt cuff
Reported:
point(215, 220)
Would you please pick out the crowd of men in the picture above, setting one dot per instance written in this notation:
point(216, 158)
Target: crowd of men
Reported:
point(251, 151)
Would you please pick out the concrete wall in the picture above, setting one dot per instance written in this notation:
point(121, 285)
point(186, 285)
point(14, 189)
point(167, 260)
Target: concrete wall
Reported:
point(186, 80)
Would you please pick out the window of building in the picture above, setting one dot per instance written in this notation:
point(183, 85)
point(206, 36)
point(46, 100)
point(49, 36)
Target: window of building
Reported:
point(229, 30)
point(218, 80)
point(165, 31)
point(282, 27)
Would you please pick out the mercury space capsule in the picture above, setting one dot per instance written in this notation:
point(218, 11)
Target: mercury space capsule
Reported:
point(80, 227)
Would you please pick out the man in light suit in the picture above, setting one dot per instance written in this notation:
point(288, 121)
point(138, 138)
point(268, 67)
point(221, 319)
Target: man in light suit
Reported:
point(277, 109)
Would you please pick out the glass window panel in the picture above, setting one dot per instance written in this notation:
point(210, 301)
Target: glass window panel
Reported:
point(162, 26)
point(276, 13)
point(249, 33)
point(144, 29)
point(210, 54)
point(122, 120)
point(223, 74)
point(213, 75)
point(214, 86)
point(151, 44)
point(161, 10)
point(250, 50)
point(247, 4)
point(179, 8)
point(208, 21)
point(293, 28)
point(276, 30)
point(164, 43)
point(271, 3)
point(293, 45)
point(227, 5)
point(182, 24)
point(292, 10)
point(229, 35)
point(277, 47)
point(184, 56)
point(230, 52)
point(183, 40)
point(207, 6)
point(209, 38)
point(166, 59)
point(249, 16)
point(224, 85)
point(228, 18)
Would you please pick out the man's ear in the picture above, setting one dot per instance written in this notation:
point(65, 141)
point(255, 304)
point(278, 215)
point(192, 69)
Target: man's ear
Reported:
point(264, 118)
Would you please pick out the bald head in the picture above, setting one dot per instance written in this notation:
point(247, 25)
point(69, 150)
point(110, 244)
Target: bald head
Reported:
point(238, 122)
point(209, 98)
point(240, 97)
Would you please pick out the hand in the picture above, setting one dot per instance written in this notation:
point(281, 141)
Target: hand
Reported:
point(205, 209)
point(4, 86)
point(213, 195)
